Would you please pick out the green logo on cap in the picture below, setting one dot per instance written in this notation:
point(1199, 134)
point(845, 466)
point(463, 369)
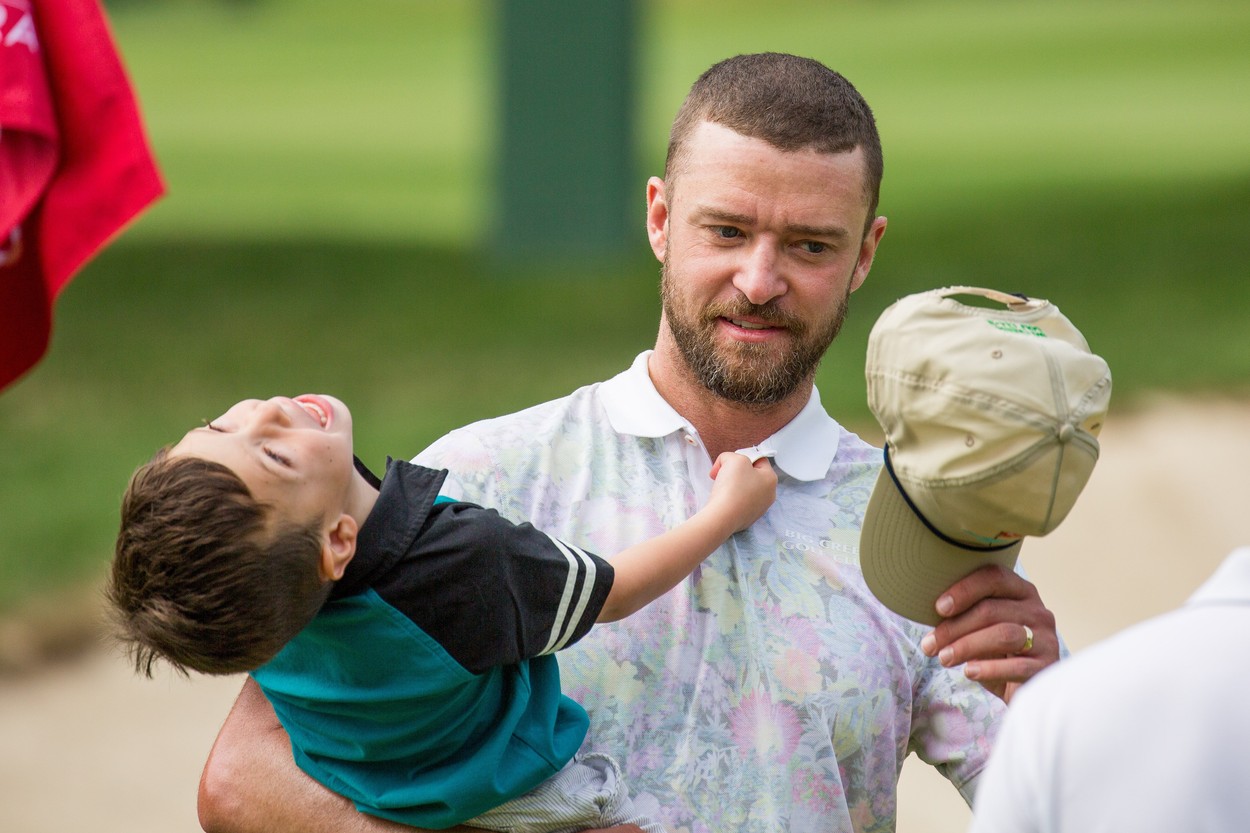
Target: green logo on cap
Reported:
point(1013, 327)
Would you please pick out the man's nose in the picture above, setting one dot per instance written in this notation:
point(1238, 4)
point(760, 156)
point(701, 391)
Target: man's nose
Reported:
point(759, 277)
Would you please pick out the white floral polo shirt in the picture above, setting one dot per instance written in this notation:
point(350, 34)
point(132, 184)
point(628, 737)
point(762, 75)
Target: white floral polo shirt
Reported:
point(770, 691)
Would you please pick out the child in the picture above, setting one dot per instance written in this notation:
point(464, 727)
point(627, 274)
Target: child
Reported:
point(405, 640)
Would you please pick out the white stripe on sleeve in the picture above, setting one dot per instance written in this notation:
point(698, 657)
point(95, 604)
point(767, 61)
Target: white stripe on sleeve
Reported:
point(561, 631)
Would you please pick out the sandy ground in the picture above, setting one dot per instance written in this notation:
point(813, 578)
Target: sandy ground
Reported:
point(85, 745)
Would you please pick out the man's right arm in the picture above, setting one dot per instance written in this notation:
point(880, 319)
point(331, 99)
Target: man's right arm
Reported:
point(251, 783)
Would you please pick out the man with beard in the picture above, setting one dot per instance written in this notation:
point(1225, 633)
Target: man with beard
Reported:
point(770, 691)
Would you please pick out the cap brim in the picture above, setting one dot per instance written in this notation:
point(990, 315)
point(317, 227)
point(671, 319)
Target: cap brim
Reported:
point(906, 565)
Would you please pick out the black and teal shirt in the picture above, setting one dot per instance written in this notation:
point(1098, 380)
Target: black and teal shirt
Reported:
point(425, 690)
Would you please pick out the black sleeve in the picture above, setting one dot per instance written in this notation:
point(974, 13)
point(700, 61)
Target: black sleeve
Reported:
point(492, 592)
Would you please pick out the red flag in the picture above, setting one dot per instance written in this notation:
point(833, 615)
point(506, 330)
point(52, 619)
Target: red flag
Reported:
point(75, 166)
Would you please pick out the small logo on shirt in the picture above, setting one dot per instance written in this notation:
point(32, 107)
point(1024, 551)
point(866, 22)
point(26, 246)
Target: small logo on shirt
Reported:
point(841, 545)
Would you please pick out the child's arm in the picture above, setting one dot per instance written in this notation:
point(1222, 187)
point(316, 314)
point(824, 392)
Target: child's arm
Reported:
point(743, 491)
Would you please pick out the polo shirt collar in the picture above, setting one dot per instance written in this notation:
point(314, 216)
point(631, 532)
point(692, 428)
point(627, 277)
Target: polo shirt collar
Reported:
point(805, 447)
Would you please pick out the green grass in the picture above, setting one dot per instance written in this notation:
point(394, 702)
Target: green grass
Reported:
point(329, 187)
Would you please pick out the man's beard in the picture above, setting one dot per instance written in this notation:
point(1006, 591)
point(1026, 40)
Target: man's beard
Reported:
point(755, 375)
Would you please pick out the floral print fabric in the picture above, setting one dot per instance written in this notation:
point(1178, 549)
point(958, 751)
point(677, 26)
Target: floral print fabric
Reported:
point(768, 692)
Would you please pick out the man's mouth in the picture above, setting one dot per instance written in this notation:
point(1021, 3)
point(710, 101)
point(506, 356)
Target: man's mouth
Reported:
point(749, 325)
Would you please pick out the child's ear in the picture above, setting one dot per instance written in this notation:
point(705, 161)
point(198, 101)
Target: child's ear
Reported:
point(338, 545)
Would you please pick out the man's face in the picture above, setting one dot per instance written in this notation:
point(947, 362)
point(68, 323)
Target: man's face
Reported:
point(761, 249)
point(294, 454)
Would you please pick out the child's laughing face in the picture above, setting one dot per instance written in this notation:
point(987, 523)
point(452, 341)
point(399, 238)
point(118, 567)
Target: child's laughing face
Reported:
point(295, 455)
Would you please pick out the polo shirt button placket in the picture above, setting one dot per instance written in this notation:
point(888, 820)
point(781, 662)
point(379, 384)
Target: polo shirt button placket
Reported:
point(699, 466)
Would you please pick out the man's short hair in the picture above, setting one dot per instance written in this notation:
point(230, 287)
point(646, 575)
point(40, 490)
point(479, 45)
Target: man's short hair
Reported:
point(201, 578)
point(792, 103)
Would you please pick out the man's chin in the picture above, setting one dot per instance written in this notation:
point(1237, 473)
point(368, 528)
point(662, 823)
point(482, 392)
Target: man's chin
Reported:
point(752, 387)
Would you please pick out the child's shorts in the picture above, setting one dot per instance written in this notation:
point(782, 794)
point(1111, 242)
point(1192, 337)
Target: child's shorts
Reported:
point(588, 793)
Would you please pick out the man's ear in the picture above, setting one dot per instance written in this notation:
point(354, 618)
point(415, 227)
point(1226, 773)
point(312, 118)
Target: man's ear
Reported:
point(657, 217)
point(867, 251)
point(338, 545)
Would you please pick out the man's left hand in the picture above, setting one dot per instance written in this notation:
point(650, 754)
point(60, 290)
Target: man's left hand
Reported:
point(989, 618)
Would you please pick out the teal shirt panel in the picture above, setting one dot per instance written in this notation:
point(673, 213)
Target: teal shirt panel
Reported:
point(380, 713)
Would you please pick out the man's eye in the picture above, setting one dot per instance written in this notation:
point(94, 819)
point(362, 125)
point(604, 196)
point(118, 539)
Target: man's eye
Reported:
point(727, 232)
point(276, 457)
point(813, 247)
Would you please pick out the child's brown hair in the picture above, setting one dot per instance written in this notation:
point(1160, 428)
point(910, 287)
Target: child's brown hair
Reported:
point(202, 577)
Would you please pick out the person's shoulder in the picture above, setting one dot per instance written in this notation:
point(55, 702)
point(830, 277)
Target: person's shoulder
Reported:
point(528, 425)
point(1114, 666)
point(854, 448)
point(494, 461)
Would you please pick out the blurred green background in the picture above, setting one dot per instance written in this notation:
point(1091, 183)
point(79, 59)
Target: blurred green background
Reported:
point(328, 222)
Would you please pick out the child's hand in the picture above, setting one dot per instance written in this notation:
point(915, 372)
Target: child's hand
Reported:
point(742, 488)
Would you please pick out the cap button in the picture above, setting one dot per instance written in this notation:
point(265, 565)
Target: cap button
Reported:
point(1066, 432)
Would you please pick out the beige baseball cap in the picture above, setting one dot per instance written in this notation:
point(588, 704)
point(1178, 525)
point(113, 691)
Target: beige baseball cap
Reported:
point(991, 410)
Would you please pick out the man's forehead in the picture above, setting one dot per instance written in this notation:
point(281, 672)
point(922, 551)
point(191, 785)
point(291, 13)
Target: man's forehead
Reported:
point(710, 137)
point(741, 176)
point(718, 155)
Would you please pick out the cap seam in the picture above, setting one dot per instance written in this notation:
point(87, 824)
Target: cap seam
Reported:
point(1023, 413)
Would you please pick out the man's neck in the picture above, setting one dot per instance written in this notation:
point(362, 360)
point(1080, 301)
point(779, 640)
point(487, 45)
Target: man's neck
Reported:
point(722, 425)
